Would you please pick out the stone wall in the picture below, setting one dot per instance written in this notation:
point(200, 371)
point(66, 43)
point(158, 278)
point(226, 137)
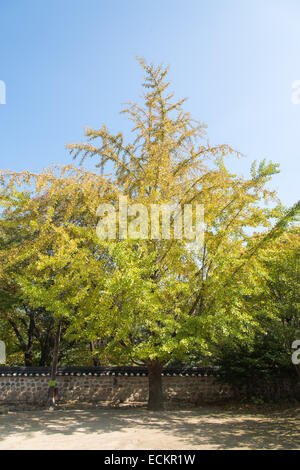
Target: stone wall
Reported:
point(108, 388)
point(130, 385)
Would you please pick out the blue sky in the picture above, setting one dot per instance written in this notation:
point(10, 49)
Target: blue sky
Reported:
point(71, 63)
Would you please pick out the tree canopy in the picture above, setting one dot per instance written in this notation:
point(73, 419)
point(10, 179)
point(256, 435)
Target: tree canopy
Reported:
point(149, 300)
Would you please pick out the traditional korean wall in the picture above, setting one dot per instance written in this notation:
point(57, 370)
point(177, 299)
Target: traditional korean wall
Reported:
point(130, 385)
point(110, 386)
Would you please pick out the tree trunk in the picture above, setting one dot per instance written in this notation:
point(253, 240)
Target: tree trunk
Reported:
point(156, 399)
point(28, 358)
point(28, 353)
point(52, 392)
point(96, 360)
point(298, 369)
point(45, 358)
point(46, 346)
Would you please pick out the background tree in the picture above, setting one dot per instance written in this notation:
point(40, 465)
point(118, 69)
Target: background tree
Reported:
point(29, 327)
point(53, 214)
point(275, 299)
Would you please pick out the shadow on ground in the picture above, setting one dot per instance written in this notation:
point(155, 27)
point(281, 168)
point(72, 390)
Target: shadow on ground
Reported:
point(137, 428)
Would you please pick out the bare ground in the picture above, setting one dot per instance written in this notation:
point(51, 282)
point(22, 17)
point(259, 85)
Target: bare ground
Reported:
point(137, 428)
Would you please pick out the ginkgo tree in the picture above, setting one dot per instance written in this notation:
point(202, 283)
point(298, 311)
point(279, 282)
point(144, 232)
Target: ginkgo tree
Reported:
point(149, 300)
point(162, 299)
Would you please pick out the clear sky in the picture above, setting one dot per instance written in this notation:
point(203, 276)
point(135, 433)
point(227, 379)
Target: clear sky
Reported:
point(71, 63)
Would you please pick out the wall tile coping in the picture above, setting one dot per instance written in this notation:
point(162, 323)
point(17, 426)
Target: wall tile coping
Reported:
point(105, 371)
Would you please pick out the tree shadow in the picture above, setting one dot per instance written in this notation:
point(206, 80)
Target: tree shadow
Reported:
point(200, 428)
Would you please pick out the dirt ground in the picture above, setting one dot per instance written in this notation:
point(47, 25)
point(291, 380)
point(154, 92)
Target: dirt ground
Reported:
point(137, 428)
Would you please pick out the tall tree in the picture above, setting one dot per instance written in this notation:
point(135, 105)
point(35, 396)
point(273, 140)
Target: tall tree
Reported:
point(164, 298)
point(54, 217)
